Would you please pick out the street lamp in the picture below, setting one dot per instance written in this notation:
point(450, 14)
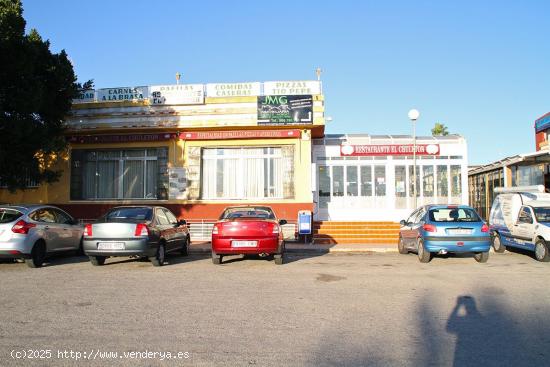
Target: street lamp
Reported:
point(413, 116)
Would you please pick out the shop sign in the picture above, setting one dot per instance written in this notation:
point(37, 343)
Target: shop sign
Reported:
point(130, 138)
point(233, 89)
point(176, 94)
point(542, 123)
point(85, 96)
point(177, 183)
point(300, 87)
point(391, 149)
point(285, 110)
point(122, 94)
point(240, 134)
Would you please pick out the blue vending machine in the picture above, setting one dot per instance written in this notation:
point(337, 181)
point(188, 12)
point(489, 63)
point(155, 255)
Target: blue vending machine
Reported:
point(305, 225)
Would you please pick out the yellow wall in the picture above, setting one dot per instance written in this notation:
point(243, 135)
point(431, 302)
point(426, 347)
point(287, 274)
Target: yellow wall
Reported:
point(59, 192)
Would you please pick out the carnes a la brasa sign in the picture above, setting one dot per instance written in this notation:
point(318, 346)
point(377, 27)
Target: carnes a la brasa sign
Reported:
point(388, 149)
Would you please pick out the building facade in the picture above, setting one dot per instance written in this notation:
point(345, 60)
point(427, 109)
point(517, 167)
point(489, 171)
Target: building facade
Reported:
point(193, 148)
point(370, 177)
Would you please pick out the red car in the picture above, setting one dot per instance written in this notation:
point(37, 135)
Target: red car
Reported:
point(248, 230)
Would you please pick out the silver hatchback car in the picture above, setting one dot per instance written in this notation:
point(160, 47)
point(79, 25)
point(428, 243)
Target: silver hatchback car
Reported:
point(31, 232)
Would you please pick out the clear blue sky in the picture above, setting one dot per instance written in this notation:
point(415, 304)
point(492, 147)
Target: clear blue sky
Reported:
point(480, 67)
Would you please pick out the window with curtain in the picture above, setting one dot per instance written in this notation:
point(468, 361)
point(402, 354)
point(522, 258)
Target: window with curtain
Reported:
point(236, 173)
point(119, 174)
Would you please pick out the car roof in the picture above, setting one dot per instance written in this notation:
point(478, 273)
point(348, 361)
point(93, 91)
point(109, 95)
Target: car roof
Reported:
point(447, 206)
point(26, 208)
point(539, 204)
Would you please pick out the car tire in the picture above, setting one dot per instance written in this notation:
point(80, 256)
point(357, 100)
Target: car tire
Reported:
point(401, 246)
point(497, 243)
point(185, 248)
point(158, 259)
point(216, 259)
point(424, 256)
point(97, 260)
point(278, 259)
point(542, 252)
point(481, 257)
point(38, 254)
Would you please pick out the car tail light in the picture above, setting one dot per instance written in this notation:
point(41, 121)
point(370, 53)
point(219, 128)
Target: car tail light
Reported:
point(275, 229)
point(429, 228)
point(215, 229)
point(485, 228)
point(87, 230)
point(22, 227)
point(141, 230)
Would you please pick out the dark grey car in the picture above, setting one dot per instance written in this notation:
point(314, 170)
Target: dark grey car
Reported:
point(136, 231)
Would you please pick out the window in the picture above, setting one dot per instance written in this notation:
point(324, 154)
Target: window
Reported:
point(161, 218)
point(351, 181)
point(366, 180)
point(29, 182)
point(453, 215)
point(411, 181)
point(44, 215)
point(119, 174)
point(442, 182)
point(456, 181)
point(380, 180)
point(62, 217)
point(428, 181)
point(128, 213)
point(248, 212)
point(9, 215)
point(337, 180)
point(400, 181)
point(324, 186)
point(236, 173)
point(171, 217)
point(525, 216)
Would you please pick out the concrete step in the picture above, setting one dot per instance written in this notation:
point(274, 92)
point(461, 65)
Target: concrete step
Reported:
point(365, 232)
point(332, 241)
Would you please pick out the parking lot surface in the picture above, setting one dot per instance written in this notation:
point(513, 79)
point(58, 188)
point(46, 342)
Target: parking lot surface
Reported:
point(316, 310)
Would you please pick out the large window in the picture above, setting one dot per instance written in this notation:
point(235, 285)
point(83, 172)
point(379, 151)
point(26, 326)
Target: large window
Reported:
point(119, 174)
point(236, 173)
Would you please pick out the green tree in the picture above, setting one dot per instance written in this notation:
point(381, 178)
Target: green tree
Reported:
point(440, 130)
point(36, 90)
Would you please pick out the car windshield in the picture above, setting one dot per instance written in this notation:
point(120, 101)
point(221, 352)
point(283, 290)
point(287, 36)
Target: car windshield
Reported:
point(259, 213)
point(118, 214)
point(9, 215)
point(453, 215)
point(542, 214)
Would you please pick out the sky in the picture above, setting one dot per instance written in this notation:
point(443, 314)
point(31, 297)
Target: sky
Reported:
point(482, 68)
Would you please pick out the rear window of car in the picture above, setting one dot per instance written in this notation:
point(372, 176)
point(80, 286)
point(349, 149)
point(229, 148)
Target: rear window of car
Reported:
point(542, 214)
point(9, 215)
point(453, 215)
point(259, 213)
point(118, 214)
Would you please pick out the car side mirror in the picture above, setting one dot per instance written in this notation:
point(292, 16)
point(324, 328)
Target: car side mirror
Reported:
point(182, 222)
point(403, 222)
point(282, 222)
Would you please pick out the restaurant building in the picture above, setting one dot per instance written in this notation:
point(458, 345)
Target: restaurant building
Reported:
point(370, 177)
point(194, 148)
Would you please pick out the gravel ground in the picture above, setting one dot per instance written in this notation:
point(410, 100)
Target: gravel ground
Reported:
point(316, 310)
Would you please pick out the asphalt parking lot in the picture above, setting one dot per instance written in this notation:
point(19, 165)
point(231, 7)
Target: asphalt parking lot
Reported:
point(316, 310)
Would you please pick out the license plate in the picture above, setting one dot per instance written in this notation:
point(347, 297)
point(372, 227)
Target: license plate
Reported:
point(110, 246)
point(244, 243)
point(459, 231)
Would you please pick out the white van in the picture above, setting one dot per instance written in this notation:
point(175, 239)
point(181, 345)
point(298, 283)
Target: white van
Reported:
point(520, 217)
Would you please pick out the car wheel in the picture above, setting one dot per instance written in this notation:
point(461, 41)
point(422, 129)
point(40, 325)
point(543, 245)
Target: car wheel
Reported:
point(97, 260)
point(278, 259)
point(216, 259)
point(158, 259)
point(497, 243)
point(542, 252)
point(482, 257)
point(80, 250)
point(423, 255)
point(401, 246)
point(185, 248)
point(38, 254)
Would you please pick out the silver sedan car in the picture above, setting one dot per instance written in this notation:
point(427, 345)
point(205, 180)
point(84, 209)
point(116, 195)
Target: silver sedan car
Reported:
point(136, 231)
point(31, 232)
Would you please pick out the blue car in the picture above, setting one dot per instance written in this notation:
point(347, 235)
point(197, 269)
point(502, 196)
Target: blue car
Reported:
point(440, 229)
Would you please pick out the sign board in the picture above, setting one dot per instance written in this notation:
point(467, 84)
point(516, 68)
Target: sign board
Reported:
point(122, 94)
point(392, 149)
point(300, 87)
point(85, 96)
point(240, 134)
point(177, 183)
point(233, 89)
point(176, 94)
point(285, 110)
point(542, 123)
point(128, 138)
